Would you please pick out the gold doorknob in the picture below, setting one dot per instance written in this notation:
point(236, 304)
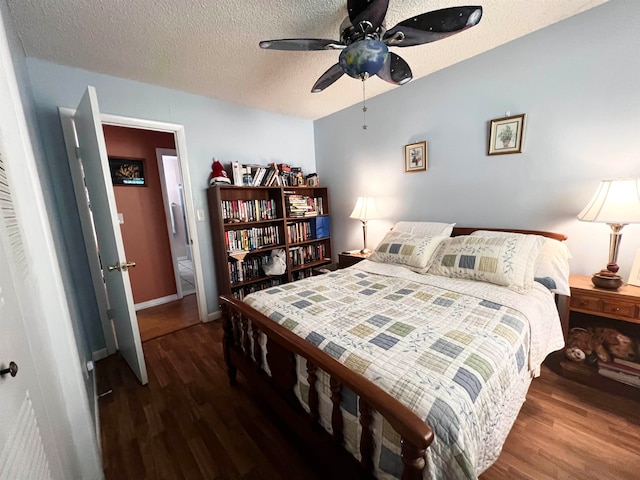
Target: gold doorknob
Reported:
point(121, 266)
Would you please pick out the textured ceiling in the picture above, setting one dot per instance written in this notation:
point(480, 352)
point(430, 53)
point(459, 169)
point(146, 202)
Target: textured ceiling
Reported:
point(210, 47)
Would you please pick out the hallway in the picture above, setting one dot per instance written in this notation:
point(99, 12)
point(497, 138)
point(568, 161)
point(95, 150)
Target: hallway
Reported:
point(168, 318)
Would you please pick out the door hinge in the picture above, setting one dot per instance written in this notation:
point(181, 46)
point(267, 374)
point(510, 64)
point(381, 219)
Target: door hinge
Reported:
point(109, 314)
point(78, 153)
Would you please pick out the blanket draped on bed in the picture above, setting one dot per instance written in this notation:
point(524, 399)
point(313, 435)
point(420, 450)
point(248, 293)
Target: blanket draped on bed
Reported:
point(460, 353)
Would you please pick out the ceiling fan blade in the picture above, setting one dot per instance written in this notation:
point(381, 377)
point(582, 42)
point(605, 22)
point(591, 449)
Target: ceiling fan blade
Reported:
point(395, 70)
point(372, 11)
point(431, 26)
point(327, 78)
point(301, 44)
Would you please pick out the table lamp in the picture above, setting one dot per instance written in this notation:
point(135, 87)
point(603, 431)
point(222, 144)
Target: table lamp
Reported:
point(365, 210)
point(616, 202)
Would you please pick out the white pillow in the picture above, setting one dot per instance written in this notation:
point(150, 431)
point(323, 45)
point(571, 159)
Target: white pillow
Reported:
point(425, 228)
point(507, 261)
point(403, 248)
point(553, 261)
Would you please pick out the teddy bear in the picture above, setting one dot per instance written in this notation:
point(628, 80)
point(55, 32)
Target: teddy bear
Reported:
point(598, 343)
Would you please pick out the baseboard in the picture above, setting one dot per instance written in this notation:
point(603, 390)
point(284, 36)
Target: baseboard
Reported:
point(96, 412)
point(156, 301)
point(99, 354)
point(214, 316)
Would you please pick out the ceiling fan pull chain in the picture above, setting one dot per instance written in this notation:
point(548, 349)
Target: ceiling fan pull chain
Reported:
point(364, 107)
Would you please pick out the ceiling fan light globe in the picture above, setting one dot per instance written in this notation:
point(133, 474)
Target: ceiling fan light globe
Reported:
point(365, 56)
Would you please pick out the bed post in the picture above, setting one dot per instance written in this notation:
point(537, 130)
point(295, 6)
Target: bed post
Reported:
point(228, 341)
point(413, 459)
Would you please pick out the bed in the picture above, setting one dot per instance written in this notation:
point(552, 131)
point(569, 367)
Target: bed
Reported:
point(412, 366)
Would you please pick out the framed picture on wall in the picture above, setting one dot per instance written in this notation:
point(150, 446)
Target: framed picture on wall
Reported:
point(634, 276)
point(505, 135)
point(127, 171)
point(415, 157)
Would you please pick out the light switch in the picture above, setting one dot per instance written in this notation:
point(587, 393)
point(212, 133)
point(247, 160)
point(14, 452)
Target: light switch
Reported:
point(200, 215)
point(121, 218)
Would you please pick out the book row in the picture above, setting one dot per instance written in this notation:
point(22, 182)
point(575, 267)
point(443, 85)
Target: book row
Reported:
point(248, 269)
point(242, 292)
point(303, 205)
point(307, 254)
point(251, 238)
point(248, 210)
point(621, 370)
point(273, 174)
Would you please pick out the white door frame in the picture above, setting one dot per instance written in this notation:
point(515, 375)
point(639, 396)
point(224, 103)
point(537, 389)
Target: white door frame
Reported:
point(66, 116)
point(161, 152)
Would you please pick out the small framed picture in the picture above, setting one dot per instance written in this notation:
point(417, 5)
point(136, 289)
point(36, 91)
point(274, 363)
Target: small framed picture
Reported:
point(505, 135)
point(415, 157)
point(127, 171)
point(634, 276)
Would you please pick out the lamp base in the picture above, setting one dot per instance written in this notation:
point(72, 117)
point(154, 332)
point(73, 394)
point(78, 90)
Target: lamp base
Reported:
point(365, 251)
point(607, 280)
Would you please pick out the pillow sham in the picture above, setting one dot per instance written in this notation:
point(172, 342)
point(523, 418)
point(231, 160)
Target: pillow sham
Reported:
point(552, 263)
point(506, 261)
point(421, 229)
point(403, 248)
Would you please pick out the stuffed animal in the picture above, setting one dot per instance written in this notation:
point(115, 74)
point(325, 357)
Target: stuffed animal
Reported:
point(218, 174)
point(599, 343)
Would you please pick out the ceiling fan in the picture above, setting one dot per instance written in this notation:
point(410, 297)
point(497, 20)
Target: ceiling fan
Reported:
point(364, 41)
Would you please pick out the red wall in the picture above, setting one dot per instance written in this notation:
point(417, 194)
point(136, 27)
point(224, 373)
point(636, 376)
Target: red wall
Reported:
point(144, 231)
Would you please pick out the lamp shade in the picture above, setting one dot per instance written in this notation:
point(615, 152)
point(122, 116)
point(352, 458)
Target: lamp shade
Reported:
point(615, 201)
point(365, 209)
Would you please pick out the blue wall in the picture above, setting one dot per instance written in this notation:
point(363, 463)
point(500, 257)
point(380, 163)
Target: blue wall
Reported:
point(577, 83)
point(213, 128)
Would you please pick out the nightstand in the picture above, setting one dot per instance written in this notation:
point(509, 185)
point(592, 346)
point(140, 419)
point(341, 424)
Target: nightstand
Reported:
point(591, 306)
point(347, 259)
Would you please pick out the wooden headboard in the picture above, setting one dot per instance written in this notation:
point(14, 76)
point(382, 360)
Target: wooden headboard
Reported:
point(468, 230)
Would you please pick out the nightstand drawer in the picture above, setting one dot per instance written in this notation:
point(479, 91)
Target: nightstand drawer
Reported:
point(618, 309)
point(584, 302)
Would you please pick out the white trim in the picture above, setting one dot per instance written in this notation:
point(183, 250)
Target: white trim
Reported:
point(86, 222)
point(156, 301)
point(160, 153)
point(99, 355)
point(214, 316)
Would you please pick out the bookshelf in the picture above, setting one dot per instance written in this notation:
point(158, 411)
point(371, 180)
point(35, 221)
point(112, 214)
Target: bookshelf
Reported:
point(248, 223)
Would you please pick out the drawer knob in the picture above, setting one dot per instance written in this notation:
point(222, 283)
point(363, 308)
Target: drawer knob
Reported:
point(617, 309)
point(584, 303)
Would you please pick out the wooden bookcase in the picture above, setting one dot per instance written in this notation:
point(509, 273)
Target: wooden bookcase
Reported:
point(247, 223)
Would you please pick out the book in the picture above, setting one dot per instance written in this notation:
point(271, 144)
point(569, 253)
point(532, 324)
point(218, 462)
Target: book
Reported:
point(236, 170)
point(627, 363)
point(616, 367)
point(621, 377)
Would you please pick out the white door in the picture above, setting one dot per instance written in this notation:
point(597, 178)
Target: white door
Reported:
point(92, 151)
point(24, 424)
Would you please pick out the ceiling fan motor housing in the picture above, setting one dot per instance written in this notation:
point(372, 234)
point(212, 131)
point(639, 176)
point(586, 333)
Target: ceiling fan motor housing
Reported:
point(363, 58)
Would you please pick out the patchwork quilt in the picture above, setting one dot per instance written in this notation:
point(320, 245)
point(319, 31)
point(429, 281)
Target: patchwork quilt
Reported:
point(460, 353)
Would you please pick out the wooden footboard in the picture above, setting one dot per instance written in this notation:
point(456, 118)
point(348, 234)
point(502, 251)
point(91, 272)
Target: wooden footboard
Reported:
point(243, 352)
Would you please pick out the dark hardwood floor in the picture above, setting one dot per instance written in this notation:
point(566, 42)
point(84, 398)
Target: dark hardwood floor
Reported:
point(188, 423)
point(168, 318)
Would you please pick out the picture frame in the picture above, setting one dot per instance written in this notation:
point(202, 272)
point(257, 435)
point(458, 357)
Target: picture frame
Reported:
point(127, 171)
point(415, 157)
point(634, 276)
point(506, 135)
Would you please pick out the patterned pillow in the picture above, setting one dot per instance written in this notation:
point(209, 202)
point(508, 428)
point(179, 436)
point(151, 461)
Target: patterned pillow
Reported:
point(553, 261)
point(425, 229)
point(403, 248)
point(507, 261)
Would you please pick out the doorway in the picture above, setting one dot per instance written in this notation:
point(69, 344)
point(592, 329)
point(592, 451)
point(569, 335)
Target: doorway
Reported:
point(154, 228)
point(198, 300)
